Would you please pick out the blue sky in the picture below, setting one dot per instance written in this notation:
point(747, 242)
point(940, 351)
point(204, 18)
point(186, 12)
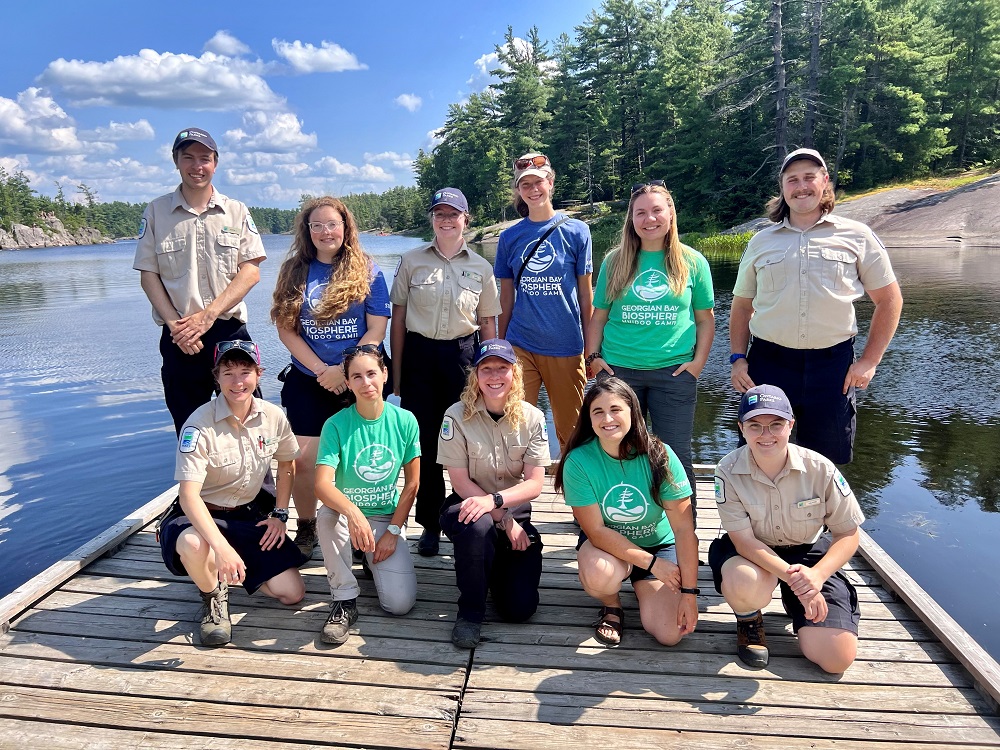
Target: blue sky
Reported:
point(302, 97)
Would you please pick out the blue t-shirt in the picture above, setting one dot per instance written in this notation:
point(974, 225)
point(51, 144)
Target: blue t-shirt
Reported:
point(546, 315)
point(329, 341)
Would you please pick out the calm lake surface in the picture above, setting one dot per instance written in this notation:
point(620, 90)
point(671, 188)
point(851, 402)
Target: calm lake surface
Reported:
point(85, 437)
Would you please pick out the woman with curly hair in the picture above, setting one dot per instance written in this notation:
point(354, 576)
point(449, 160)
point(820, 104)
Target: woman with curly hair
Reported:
point(495, 448)
point(330, 295)
point(633, 503)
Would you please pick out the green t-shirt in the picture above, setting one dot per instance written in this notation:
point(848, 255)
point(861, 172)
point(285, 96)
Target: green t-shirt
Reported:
point(648, 326)
point(368, 455)
point(621, 488)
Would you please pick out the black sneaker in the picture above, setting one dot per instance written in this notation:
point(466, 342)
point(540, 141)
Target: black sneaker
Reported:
point(429, 543)
point(338, 624)
point(751, 642)
point(466, 634)
point(216, 628)
point(305, 536)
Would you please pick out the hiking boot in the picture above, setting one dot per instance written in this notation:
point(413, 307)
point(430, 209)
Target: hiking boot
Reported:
point(466, 634)
point(751, 643)
point(216, 629)
point(429, 543)
point(305, 536)
point(342, 616)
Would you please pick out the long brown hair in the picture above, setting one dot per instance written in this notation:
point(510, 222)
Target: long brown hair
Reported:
point(518, 202)
point(350, 277)
point(638, 441)
point(624, 261)
point(513, 409)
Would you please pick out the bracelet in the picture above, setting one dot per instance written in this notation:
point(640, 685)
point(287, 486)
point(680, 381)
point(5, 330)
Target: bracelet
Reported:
point(649, 568)
point(695, 591)
point(591, 357)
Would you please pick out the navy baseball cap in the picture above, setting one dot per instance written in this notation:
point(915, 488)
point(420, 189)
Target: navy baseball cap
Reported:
point(765, 399)
point(196, 135)
point(495, 348)
point(450, 196)
point(802, 153)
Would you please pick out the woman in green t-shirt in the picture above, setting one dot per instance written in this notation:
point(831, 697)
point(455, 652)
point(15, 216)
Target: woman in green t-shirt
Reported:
point(653, 322)
point(361, 450)
point(633, 503)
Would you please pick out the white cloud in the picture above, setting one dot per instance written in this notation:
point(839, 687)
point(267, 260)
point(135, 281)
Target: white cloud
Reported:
point(37, 125)
point(140, 130)
point(433, 139)
point(483, 79)
point(400, 161)
point(224, 43)
point(235, 177)
point(484, 65)
point(328, 165)
point(411, 102)
point(306, 58)
point(211, 82)
point(270, 133)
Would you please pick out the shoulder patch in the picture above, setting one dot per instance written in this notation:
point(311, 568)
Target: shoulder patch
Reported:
point(250, 225)
point(720, 490)
point(189, 439)
point(447, 428)
point(845, 488)
point(545, 430)
point(142, 228)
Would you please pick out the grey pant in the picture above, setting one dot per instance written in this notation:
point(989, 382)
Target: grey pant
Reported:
point(395, 580)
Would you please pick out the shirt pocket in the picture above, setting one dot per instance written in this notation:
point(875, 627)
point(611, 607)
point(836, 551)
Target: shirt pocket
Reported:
point(468, 295)
point(481, 463)
point(756, 511)
point(771, 272)
point(228, 253)
point(171, 257)
point(808, 521)
point(425, 289)
point(223, 467)
point(838, 269)
point(515, 458)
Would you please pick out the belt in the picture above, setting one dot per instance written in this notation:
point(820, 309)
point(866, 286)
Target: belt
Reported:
point(213, 506)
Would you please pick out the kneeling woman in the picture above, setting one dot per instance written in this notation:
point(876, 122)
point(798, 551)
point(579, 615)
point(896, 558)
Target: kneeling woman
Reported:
point(632, 500)
point(361, 450)
point(495, 448)
point(774, 500)
point(226, 529)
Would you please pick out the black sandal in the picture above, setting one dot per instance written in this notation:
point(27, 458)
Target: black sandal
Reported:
point(604, 622)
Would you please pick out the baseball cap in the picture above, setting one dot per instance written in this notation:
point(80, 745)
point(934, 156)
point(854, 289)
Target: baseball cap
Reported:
point(196, 135)
point(450, 196)
point(495, 348)
point(765, 399)
point(802, 153)
point(532, 164)
point(248, 349)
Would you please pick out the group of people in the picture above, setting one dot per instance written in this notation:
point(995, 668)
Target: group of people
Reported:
point(468, 362)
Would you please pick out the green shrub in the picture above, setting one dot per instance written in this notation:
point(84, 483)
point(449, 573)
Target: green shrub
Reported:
point(720, 245)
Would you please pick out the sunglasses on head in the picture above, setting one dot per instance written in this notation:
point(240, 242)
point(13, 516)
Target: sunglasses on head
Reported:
point(249, 347)
point(652, 183)
point(532, 161)
point(361, 349)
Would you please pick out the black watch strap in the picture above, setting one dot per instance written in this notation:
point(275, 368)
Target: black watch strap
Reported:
point(695, 591)
point(497, 500)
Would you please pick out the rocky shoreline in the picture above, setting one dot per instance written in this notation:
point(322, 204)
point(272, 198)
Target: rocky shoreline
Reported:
point(52, 233)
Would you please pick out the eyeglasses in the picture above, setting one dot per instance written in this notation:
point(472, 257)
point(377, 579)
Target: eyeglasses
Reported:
point(532, 161)
point(318, 226)
point(249, 347)
point(360, 349)
point(756, 429)
point(652, 183)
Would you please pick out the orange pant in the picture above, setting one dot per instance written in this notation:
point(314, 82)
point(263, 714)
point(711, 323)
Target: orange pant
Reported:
point(564, 379)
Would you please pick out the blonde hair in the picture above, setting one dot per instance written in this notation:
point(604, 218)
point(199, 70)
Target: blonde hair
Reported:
point(513, 409)
point(350, 278)
point(623, 262)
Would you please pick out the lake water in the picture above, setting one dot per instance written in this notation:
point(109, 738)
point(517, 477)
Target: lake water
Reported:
point(85, 437)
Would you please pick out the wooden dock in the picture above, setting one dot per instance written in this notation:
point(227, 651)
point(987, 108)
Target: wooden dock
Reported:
point(99, 654)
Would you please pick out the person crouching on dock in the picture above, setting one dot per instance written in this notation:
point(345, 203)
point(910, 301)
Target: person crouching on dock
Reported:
point(774, 500)
point(225, 528)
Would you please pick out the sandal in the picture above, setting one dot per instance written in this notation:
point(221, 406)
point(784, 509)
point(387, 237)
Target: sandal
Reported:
point(603, 623)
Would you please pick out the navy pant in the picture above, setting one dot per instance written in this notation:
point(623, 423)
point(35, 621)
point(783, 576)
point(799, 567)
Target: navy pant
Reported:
point(813, 380)
point(187, 378)
point(485, 561)
point(432, 377)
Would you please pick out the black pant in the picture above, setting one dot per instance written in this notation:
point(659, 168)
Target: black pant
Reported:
point(187, 378)
point(484, 560)
point(432, 377)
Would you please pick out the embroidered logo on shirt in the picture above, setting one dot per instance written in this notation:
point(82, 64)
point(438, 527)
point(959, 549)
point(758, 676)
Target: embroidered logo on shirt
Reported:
point(189, 439)
point(720, 493)
point(374, 463)
point(250, 225)
point(142, 228)
point(845, 488)
point(447, 429)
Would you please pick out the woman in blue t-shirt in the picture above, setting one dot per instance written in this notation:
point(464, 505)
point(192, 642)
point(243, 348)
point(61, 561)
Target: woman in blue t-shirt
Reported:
point(632, 500)
point(330, 295)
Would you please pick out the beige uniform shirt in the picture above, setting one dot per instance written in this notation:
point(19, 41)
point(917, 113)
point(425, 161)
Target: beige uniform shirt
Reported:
point(230, 459)
point(196, 255)
point(445, 298)
point(808, 494)
point(804, 283)
point(493, 453)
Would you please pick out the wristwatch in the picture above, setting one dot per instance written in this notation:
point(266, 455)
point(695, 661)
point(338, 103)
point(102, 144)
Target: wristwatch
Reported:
point(497, 500)
point(280, 513)
point(735, 356)
point(695, 591)
point(394, 529)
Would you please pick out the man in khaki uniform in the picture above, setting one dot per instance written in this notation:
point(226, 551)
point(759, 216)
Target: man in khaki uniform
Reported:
point(795, 294)
point(774, 501)
point(198, 256)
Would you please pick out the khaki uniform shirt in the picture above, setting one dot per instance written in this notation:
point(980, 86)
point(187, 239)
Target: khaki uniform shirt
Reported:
point(196, 255)
point(445, 298)
point(808, 494)
point(804, 282)
point(230, 459)
point(493, 453)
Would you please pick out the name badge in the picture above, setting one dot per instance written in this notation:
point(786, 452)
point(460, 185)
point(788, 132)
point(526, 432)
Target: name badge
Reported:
point(473, 275)
point(808, 503)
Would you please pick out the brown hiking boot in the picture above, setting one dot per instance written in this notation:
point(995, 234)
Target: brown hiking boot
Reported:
point(305, 537)
point(216, 629)
point(751, 643)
